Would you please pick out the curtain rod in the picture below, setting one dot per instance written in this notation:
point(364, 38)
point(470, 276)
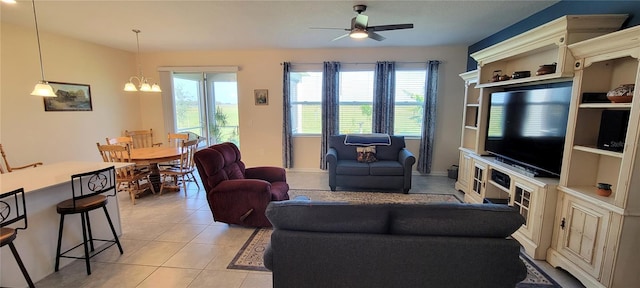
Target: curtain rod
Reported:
point(356, 63)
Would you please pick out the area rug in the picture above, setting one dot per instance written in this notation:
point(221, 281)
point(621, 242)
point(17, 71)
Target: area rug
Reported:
point(250, 256)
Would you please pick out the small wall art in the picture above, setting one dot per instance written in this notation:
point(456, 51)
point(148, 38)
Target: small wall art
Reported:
point(71, 97)
point(261, 96)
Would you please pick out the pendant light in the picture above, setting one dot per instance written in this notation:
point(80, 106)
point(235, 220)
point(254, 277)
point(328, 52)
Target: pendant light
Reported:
point(42, 88)
point(143, 83)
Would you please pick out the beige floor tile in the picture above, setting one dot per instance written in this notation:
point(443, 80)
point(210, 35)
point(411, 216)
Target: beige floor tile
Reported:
point(202, 216)
point(120, 276)
point(195, 256)
point(219, 279)
point(155, 253)
point(182, 232)
point(143, 230)
point(170, 278)
point(254, 280)
point(223, 259)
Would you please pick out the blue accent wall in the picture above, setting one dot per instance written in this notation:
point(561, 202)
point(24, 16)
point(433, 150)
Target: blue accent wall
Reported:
point(564, 7)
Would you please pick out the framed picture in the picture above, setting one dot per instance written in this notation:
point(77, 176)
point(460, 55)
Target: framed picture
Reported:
point(261, 96)
point(71, 97)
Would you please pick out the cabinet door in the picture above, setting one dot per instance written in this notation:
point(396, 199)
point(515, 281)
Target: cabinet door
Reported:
point(523, 201)
point(479, 180)
point(582, 235)
point(464, 172)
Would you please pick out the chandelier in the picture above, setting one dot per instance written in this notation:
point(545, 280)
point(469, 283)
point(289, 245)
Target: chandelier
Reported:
point(143, 82)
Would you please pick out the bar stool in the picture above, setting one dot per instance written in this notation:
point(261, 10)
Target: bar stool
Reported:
point(88, 194)
point(12, 210)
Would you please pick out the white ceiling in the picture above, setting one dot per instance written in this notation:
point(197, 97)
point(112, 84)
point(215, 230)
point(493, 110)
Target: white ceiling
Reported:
point(214, 24)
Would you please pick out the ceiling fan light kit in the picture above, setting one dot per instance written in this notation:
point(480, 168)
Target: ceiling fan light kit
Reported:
point(360, 26)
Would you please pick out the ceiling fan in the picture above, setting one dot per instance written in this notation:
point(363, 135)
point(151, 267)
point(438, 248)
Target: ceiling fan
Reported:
point(360, 29)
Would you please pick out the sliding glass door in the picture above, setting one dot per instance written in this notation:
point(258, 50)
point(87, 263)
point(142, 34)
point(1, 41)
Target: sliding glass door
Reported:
point(207, 104)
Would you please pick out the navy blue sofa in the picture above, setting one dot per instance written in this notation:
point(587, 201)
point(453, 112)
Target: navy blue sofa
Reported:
point(392, 170)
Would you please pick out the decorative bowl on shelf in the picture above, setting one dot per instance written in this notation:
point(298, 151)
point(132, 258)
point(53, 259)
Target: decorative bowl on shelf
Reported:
point(521, 74)
point(546, 69)
point(604, 189)
point(622, 94)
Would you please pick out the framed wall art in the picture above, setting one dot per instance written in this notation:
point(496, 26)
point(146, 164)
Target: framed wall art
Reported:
point(71, 97)
point(261, 96)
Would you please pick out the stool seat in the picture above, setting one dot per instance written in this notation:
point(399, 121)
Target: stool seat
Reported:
point(81, 205)
point(7, 235)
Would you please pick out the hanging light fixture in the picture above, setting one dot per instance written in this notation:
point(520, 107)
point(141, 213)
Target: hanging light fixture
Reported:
point(42, 88)
point(143, 83)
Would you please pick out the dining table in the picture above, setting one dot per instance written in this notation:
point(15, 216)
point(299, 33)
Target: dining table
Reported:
point(152, 156)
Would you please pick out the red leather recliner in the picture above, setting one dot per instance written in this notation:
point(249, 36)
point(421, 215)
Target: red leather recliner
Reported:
point(239, 195)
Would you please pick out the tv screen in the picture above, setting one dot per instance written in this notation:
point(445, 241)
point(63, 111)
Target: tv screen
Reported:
point(527, 127)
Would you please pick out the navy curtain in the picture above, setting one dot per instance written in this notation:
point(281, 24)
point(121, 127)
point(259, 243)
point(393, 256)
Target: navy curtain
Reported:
point(384, 97)
point(425, 156)
point(287, 146)
point(330, 88)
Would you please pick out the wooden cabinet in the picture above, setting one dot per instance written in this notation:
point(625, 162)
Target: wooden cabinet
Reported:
point(535, 199)
point(594, 235)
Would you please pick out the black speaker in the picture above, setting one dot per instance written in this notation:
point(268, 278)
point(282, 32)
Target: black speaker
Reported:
point(613, 129)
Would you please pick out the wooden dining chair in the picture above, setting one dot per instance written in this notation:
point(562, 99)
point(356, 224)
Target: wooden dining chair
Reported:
point(128, 176)
point(121, 140)
point(175, 139)
point(141, 138)
point(183, 172)
point(9, 168)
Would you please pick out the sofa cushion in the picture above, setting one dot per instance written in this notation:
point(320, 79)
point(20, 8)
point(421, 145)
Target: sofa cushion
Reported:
point(455, 219)
point(352, 167)
point(386, 168)
point(390, 152)
point(345, 152)
point(317, 216)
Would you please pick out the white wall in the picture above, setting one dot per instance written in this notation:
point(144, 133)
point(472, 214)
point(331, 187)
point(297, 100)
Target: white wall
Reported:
point(261, 126)
point(27, 132)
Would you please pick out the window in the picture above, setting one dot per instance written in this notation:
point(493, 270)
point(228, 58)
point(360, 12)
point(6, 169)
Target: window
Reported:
point(409, 102)
point(211, 112)
point(356, 102)
point(306, 99)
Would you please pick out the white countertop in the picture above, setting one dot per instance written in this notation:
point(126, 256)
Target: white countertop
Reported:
point(48, 175)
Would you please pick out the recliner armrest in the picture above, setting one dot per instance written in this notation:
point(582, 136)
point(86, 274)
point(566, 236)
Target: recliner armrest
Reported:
point(243, 185)
point(267, 173)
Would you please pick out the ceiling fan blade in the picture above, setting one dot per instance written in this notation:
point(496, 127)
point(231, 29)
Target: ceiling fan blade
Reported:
point(328, 28)
point(360, 21)
point(375, 36)
point(390, 27)
point(340, 37)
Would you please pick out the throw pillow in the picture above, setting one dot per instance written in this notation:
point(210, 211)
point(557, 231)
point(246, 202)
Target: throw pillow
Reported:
point(366, 154)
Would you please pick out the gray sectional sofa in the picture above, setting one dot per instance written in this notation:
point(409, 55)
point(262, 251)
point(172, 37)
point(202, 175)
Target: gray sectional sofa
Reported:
point(328, 244)
point(392, 170)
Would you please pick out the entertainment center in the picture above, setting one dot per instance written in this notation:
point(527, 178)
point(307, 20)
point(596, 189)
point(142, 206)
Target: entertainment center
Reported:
point(555, 153)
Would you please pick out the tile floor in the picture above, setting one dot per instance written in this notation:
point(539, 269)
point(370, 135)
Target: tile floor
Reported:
point(172, 241)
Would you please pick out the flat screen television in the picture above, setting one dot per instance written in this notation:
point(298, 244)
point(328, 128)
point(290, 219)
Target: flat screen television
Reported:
point(526, 128)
